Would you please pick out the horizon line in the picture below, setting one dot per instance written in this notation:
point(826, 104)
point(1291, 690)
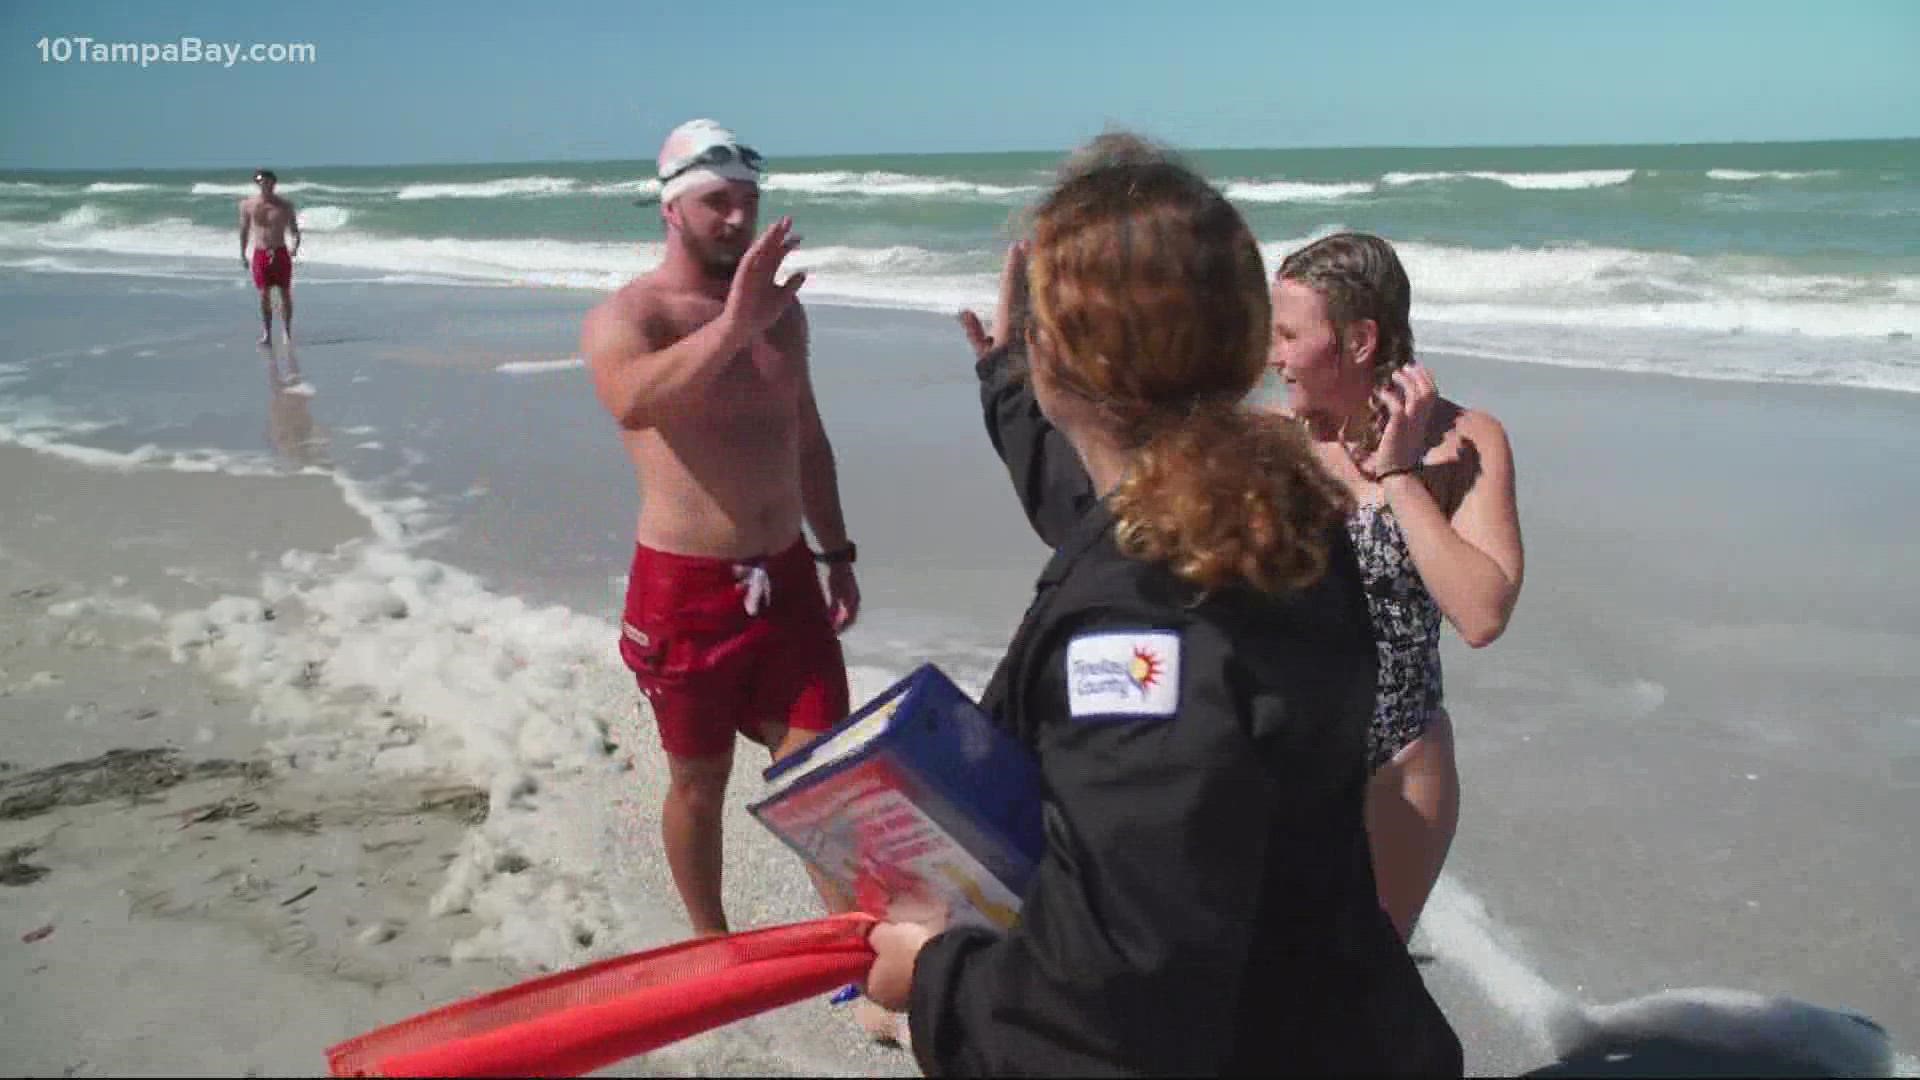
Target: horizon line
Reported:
point(965, 153)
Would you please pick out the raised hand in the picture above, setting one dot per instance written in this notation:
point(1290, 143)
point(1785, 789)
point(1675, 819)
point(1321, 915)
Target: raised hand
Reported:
point(1408, 400)
point(1010, 313)
point(754, 301)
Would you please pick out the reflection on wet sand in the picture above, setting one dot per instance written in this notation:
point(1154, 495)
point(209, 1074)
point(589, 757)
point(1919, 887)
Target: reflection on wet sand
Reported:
point(290, 428)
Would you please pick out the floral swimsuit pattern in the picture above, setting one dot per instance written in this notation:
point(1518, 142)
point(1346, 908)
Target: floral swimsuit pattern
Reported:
point(1406, 630)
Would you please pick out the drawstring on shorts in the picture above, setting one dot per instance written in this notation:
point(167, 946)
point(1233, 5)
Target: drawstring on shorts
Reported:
point(756, 584)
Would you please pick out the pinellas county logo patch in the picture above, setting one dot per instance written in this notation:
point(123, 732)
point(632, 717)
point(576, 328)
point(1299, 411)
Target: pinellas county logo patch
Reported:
point(1124, 674)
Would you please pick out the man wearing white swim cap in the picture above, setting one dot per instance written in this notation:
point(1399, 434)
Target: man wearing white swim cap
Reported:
point(702, 362)
point(701, 152)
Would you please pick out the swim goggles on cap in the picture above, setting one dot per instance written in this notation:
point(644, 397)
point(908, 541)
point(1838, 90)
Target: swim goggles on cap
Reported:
point(717, 155)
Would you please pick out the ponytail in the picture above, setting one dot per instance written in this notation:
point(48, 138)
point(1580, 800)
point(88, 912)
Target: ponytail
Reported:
point(1223, 494)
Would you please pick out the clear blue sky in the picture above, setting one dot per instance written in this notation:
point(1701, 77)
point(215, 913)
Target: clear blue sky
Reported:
point(431, 81)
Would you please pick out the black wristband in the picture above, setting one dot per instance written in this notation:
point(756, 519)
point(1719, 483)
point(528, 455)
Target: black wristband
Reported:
point(1413, 468)
point(838, 555)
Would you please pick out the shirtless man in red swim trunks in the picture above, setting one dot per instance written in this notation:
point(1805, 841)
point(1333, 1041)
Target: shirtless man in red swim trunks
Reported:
point(703, 364)
point(266, 219)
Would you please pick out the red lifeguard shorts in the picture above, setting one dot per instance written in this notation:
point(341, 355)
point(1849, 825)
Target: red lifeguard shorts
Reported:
point(710, 669)
point(272, 266)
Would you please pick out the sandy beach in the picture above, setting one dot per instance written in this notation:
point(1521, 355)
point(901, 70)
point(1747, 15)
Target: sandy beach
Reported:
point(196, 881)
point(313, 717)
point(180, 901)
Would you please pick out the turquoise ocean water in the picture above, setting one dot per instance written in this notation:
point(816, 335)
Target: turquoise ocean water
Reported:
point(1778, 262)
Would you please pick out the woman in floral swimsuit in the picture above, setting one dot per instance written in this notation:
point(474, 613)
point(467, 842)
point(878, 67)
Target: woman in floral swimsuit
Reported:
point(1436, 528)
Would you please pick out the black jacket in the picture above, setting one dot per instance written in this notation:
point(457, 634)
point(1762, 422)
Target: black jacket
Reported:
point(1206, 904)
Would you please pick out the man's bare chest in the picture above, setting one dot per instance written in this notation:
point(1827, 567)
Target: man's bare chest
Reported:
point(754, 395)
point(765, 376)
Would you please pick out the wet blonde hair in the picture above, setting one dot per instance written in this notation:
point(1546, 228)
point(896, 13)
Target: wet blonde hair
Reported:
point(1360, 277)
point(1150, 303)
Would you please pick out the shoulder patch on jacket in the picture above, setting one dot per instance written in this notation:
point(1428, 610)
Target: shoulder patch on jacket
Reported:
point(1123, 674)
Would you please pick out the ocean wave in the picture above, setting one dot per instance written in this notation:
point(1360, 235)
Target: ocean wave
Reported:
point(1622, 288)
point(625, 187)
point(1771, 174)
point(818, 184)
point(83, 216)
point(877, 184)
point(324, 218)
point(1714, 357)
point(35, 425)
point(171, 271)
point(539, 367)
point(145, 457)
point(889, 184)
point(491, 189)
point(898, 275)
point(527, 187)
point(1282, 191)
point(1569, 286)
point(1731, 316)
point(290, 188)
point(1521, 181)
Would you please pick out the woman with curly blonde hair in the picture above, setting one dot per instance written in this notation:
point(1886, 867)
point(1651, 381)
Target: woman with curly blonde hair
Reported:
point(1194, 676)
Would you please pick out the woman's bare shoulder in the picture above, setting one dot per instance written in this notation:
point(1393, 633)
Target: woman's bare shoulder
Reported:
point(1466, 443)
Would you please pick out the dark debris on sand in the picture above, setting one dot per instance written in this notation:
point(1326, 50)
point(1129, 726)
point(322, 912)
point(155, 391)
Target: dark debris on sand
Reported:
point(116, 774)
point(462, 802)
point(16, 870)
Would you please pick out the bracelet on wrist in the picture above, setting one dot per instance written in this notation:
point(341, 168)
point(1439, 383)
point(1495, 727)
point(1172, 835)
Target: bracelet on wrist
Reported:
point(1401, 471)
point(837, 555)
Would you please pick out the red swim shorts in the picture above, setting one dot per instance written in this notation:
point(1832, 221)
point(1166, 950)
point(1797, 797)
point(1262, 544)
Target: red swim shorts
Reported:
point(710, 669)
point(272, 266)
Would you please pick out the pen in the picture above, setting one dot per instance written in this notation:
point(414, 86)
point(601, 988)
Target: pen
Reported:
point(845, 994)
